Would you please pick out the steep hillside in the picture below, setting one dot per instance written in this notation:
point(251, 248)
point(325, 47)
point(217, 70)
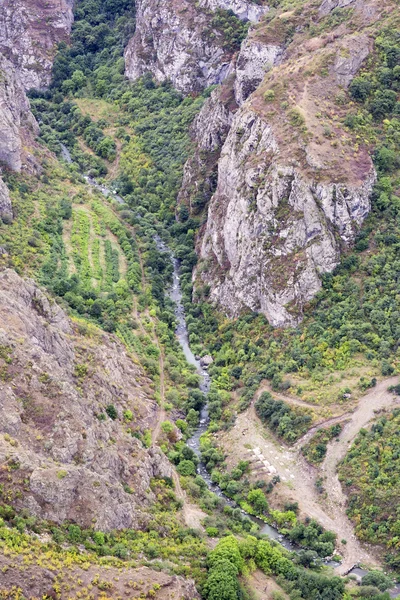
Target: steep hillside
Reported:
point(292, 189)
point(278, 240)
point(71, 400)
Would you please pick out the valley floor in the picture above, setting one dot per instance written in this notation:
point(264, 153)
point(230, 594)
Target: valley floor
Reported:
point(249, 440)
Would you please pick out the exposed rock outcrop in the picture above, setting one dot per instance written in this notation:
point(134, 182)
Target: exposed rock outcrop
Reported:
point(209, 131)
point(71, 460)
point(254, 60)
point(171, 42)
point(244, 9)
point(328, 5)
point(17, 124)
point(354, 51)
point(293, 187)
point(5, 201)
point(212, 125)
point(29, 33)
point(176, 41)
point(271, 231)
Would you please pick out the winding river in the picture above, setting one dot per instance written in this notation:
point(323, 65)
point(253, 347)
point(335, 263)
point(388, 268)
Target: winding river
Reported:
point(194, 442)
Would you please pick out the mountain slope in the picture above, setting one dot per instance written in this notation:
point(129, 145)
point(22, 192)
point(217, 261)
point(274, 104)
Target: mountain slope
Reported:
point(71, 399)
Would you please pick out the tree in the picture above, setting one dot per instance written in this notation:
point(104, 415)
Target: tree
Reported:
point(78, 79)
point(258, 500)
point(227, 548)
point(360, 88)
point(222, 583)
point(377, 579)
point(186, 468)
point(111, 411)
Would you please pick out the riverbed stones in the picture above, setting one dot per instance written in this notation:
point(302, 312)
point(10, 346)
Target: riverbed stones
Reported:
point(206, 361)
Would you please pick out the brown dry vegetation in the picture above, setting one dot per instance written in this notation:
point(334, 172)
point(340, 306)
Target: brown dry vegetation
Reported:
point(309, 88)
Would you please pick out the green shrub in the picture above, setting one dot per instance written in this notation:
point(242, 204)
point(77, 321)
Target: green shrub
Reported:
point(112, 411)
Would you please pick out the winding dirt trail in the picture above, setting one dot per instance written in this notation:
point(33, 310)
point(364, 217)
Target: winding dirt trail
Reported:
point(299, 477)
point(266, 387)
point(376, 400)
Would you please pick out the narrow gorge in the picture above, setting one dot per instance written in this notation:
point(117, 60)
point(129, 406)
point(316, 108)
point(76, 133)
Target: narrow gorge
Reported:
point(199, 299)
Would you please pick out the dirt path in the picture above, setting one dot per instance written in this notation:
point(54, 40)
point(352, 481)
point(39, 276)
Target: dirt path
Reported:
point(266, 387)
point(376, 400)
point(250, 440)
point(192, 514)
point(323, 425)
point(263, 586)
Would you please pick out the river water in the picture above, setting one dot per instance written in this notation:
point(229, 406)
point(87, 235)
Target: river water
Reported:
point(175, 293)
point(193, 442)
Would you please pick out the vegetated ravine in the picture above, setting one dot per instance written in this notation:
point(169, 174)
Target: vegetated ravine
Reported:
point(182, 334)
point(181, 331)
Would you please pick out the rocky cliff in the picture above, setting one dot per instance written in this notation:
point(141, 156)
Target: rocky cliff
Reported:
point(208, 132)
point(17, 125)
point(29, 33)
point(243, 9)
point(62, 456)
point(5, 201)
point(293, 186)
point(271, 231)
point(178, 41)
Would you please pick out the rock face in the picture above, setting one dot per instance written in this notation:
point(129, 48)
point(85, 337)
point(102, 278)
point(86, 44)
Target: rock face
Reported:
point(70, 460)
point(328, 5)
point(170, 42)
point(175, 40)
point(29, 33)
point(209, 131)
point(270, 230)
point(291, 190)
point(244, 9)
point(5, 201)
point(17, 124)
point(348, 62)
point(254, 60)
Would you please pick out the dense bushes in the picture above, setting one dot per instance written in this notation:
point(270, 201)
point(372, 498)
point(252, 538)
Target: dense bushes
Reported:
point(231, 558)
point(316, 448)
point(233, 30)
point(371, 473)
point(285, 421)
